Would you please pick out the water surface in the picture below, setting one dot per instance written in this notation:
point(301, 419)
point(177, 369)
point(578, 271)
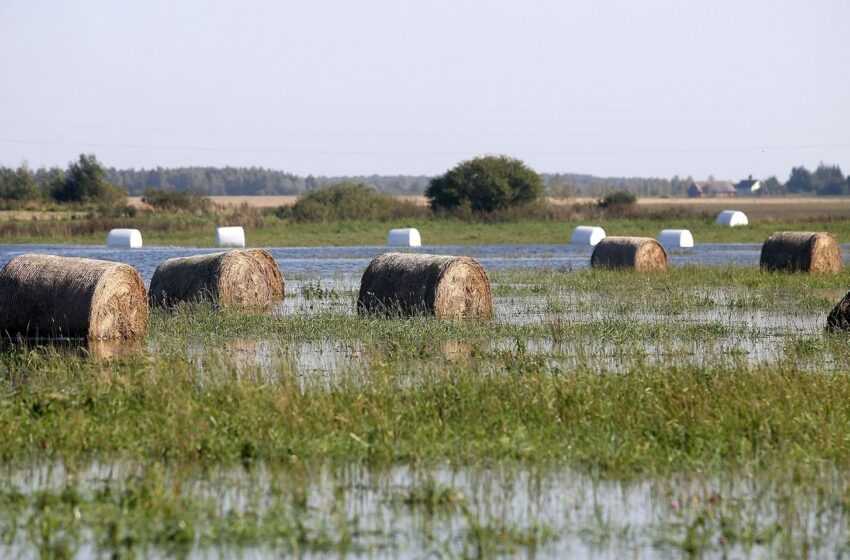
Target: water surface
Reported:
point(328, 262)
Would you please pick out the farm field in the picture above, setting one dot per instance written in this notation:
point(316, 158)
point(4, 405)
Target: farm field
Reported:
point(265, 229)
point(697, 412)
point(759, 207)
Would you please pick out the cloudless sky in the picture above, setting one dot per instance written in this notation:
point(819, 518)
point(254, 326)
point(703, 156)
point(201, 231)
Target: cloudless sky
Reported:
point(612, 88)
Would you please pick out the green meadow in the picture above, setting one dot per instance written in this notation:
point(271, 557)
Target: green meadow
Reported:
point(270, 231)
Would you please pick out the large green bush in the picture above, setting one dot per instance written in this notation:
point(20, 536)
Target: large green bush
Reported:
point(18, 184)
point(618, 198)
point(179, 201)
point(85, 182)
point(349, 201)
point(485, 184)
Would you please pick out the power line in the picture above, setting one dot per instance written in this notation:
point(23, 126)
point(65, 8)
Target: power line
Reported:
point(637, 151)
point(422, 108)
point(366, 134)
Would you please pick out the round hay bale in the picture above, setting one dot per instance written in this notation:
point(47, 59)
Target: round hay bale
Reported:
point(45, 296)
point(642, 254)
point(277, 285)
point(801, 251)
point(408, 284)
point(230, 278)
point(839, 317)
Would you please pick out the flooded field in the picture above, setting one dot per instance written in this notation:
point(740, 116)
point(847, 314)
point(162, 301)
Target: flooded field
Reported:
point(700, 412)
point(406, 512)
point(319, 263)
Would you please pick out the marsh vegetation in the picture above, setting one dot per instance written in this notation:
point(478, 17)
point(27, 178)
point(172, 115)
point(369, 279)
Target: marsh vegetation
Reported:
point(699, 411)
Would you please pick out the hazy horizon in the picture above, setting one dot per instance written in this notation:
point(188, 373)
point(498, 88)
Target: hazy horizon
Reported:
point(611, 89)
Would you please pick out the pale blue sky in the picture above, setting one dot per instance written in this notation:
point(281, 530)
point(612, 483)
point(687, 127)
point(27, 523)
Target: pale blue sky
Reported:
point(724, 87)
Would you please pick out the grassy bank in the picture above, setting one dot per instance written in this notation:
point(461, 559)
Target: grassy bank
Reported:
point(357, 216)
point(273, 232)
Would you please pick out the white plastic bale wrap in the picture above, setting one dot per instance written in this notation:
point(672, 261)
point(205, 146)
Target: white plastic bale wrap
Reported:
point(233, 236)
point(122, 238)
point(587, 235)
point(732, 218)
point(676, 238)
point(404, 237)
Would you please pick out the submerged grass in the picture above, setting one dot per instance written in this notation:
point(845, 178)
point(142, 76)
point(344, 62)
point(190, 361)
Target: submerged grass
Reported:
point(504, 406)
point(722, 373)
point(611, 374)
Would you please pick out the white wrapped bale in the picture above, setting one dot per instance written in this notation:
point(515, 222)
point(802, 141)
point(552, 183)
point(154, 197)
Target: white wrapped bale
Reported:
point(676, 238)
point(732, 218)
point(587, 235)
point(230, 237)
point(122, 238)
point(404, 237)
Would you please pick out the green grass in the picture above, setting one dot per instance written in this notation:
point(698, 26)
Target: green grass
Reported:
point(572, 359)
point(723, 375)
point(283, 233)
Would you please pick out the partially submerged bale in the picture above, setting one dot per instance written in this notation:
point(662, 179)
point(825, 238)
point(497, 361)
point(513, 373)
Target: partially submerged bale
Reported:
point(801, 251)
point(45, 296)
point(839, 317)
point(277, 285)
point(409, 284)
point(642, 254)
point(235, 278)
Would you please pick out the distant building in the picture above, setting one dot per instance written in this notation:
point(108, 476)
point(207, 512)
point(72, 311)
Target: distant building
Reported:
point(711, 189)
point(748, 186)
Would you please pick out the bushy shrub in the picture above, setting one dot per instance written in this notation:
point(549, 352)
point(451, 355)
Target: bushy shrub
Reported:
point(538, 210)
point(170, 201)
point(618, 198)
point(485, 184)
point(18, 184)
point(349, 201)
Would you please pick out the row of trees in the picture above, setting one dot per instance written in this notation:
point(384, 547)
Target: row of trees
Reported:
point(491, 183)
point(86, 180)
point(215, 181)
point(83, 181)
point(826, 180)
point(212, 181)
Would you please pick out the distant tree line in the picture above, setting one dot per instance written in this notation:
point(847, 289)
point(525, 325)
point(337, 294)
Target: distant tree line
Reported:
point(86, 180)
point(825, 180)
point(217, 181)
point(83, 181)
point(211, 181)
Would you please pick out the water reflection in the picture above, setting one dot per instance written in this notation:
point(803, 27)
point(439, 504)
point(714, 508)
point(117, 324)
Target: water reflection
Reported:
point(316, 263)
point(575, 334)
point(99, 350)
point(413, 512)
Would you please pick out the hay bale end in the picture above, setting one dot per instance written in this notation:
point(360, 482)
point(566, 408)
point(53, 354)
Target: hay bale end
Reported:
point(277, 285)
point(839, 318)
